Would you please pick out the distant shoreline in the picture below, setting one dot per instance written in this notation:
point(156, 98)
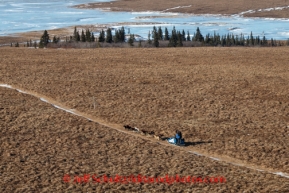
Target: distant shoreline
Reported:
point(245, 8)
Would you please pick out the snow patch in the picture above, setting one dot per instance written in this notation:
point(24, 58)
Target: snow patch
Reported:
point(5, 85)
point(21, 91)
point(178, 7)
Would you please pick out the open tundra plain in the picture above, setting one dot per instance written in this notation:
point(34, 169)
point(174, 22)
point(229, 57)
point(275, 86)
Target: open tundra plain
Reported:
point(231, 104)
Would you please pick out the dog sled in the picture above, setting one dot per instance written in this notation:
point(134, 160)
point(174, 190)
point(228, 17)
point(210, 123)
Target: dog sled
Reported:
point(173, 141)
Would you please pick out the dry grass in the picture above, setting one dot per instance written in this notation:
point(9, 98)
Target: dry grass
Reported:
point(235, 97)
point(196, 6)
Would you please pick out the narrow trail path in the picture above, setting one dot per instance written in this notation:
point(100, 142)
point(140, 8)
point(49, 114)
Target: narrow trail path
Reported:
point(188, 149)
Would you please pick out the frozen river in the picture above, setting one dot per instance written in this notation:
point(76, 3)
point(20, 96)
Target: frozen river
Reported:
point(30, 15)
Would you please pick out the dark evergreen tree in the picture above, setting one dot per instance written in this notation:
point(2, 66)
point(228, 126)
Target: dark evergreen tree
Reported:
point(87, 35)
point(122, 34)
point(116, 36)
point(183, 35)
point(83, 36)
point(75, 33)
point(131, 39)
point(156, 39)
point(17, 44)
point(264, 41)
point(160, 33)
point(188, 36)
point(77, 36)
point(92, 37)
point(223, 41)
point(56, 40)
point(198, 37)
point(149, 38)
point(180, 39)
point(166, 34)
point(251, 41)
point(108, 36)
point(44, 40)
point(154, 32)
point(101, 37)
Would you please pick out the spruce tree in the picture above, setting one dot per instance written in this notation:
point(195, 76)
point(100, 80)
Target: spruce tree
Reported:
point(149, 38)
point(180, 39)
point(188, 36)
point(122, 34)
point(92, 37)
point(265, 42)
point(183, 35)
point(117, 37)
point(87, 35)
point(108, 36)
point(101, 37)
point(166, 34)
point(173, 38)
point(160, 33)
point(198, 36)
point(55, 40)
point(156, 39)
point(131, 40)
point(154, 32)
point(44, 39)
point(75, 34)
point(251, 42)
point(82, 36)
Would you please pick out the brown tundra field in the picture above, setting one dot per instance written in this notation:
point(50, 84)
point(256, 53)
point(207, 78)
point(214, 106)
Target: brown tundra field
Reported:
point(231, 104)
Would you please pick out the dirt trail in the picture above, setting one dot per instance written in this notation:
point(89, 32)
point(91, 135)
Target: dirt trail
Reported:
point(119, 128)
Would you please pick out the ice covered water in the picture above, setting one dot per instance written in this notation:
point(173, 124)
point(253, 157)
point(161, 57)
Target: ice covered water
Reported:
point(30, 15)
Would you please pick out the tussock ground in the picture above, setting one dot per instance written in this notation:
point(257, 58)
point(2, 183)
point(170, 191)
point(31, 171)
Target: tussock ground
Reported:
point(235, 97)
point(195, 7)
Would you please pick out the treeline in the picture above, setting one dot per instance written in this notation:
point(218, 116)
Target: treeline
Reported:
point(156, 38)
point(177, 39)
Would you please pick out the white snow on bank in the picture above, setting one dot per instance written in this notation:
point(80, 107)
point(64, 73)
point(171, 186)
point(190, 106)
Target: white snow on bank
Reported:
point(5, 85)
point(262, 10)
point(282, 174)
point(67, 110)
point(178, 7)
point(42, 99)
point(213, 158)
point(21, 91)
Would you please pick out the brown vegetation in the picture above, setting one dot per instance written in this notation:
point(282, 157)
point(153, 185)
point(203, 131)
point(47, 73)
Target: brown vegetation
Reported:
point(237, 98)
point(188, 6)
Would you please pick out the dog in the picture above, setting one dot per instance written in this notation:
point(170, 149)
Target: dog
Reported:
point(159, 137)
point(131, 128)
